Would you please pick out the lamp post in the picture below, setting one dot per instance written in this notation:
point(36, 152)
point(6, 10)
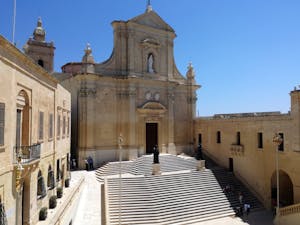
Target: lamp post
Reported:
point(19, 172)
point(120, 142)
point(277, 140)
point(19, 169)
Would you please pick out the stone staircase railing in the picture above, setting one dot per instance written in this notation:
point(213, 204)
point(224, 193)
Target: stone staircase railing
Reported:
point(289, 210)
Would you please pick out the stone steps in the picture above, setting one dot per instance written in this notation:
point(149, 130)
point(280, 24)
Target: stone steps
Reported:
point(167, 199)
point(181, 195)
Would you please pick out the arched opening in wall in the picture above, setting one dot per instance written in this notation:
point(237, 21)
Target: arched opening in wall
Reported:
point(286, 192)
point(23, 111)
point(150, 63)
point(41, 62)
point(3, 219)
point(51, 178)
point(41, 190)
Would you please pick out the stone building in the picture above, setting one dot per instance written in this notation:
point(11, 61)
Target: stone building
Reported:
point(138, 92)
point(243, 143)
point(34, 134)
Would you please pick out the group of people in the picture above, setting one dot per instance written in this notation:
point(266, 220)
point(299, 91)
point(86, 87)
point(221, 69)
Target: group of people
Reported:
point(244, 207)
point(89, 164)
point(227, 189)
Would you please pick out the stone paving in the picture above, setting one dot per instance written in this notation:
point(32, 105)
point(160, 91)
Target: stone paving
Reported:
point(89, 209)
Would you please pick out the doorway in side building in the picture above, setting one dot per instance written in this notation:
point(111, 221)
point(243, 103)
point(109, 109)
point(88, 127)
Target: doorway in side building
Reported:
point(230, 165)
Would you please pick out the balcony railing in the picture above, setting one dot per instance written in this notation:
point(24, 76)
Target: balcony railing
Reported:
point(27, 154)
point(237, 149)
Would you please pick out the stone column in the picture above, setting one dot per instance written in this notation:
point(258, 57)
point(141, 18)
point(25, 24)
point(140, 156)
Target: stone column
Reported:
point(171, 145)
point(131, 49)
point(132, 150)
point(86, 121)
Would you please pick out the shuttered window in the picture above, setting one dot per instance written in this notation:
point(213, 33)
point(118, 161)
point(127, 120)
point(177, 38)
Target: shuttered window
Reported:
point(41, 125)
point(2, 123)
point(50, 125)
point(68, 126)
point(64, 126)
point(58, 126)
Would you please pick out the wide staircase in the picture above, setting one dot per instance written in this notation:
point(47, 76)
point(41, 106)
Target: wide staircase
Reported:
point(180, 195)
point(225, 177)
point(143, 165)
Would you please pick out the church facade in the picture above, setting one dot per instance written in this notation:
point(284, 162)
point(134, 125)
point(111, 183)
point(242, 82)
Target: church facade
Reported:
point(137, 93)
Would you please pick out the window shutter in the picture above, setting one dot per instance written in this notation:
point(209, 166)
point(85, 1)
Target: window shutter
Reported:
point(41, 127)
point(2, 122)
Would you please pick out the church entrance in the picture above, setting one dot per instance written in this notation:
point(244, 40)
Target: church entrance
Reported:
point(151, 137)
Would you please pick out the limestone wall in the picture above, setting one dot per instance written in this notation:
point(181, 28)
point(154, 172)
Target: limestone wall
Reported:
point(253, 164)
point(32, 99)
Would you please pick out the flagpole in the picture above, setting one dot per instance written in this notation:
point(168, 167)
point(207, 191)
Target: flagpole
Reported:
point(14, 22)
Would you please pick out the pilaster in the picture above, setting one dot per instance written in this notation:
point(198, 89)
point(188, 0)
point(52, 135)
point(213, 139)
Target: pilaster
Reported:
point(171, 99)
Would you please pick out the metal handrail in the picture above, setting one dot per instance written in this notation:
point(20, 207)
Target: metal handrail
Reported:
point(27, 154)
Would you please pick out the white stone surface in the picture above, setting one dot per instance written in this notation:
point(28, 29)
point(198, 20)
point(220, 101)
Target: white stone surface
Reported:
point(89, 209)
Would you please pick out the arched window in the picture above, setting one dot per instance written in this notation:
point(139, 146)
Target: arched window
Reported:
point(41, 190)
point(41, 62)
point(50, 180)
point(3, 219)
point(150, 63)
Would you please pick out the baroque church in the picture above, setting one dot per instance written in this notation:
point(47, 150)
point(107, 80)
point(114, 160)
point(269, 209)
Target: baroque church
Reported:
point(137, 93)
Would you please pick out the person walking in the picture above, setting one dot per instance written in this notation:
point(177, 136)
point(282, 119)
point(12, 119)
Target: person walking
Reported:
point(241, 198)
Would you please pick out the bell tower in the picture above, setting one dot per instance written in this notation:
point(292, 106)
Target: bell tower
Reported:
point(39, 50)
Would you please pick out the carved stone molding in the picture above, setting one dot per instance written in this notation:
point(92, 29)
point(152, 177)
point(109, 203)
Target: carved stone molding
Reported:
point(87, 92)
point(126, 93)
point(191, 100)
point(152, 109)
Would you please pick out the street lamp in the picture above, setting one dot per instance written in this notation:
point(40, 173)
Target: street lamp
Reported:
point(19, 170)
point(277, 139)
point(120, 142)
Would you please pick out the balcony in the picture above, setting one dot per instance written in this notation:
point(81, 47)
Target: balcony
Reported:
point(237, 150)
point(27, 154)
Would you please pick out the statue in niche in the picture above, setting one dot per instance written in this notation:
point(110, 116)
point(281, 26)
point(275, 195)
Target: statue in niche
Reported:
point(155, 154)
point(150, 68)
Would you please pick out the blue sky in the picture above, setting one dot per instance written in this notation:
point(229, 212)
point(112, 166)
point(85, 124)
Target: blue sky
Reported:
point(246, 53)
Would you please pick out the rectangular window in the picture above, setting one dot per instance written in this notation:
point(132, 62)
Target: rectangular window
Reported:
point(218, 137)
point(58, 126)
point(238, 138)
point(2, 123)
point(41, 125)
point(68, 126)
point(260, 140)
point(199, 138)
point(64, 126)
point(50, 125)
point(281, 146)
point(58, 170)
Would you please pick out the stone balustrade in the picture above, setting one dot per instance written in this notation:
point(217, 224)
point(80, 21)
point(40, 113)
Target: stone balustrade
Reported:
point(237, 150)
point(289, 210)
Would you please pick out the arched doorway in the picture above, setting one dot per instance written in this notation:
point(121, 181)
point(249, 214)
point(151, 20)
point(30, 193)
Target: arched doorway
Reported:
point(286, 192)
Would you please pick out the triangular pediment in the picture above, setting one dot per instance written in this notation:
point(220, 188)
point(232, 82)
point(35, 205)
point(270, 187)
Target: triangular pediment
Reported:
point(152, 19)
